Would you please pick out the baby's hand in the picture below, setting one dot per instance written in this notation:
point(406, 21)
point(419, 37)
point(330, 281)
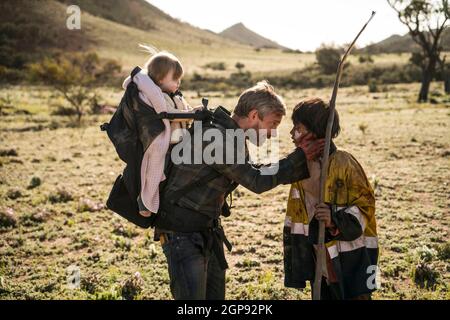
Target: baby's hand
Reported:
point(145, 214)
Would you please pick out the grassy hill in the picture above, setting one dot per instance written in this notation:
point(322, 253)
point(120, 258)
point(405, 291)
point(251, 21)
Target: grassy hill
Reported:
point(242, 34)
point(114, 29)
point(398, 44)
point(134, 13)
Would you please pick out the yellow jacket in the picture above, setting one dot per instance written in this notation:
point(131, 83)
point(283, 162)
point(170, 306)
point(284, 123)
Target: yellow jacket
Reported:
point(346, 185)
point(355, 247)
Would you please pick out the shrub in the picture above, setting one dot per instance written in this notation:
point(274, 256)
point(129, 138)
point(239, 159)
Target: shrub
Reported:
point(444, 251)
point(241, 79)
point(216, 66)
point(365, 59)
point(239, 66)
point(373, 86)
point(34, 182)
point(328, 59)
point(39, 216)
point(132, 286)
point(10, 76)
point(8, 153)
point(75, 76)
point(14, 193)
point(424, 273)
point(425, 276)
point(60, 195)
point(85, 204)
point(7, 218)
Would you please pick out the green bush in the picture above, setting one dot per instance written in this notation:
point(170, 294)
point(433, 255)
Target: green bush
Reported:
point(373, 86)
point(328, 59)
point(11, 76)
point(7, 218)
point(444, 252)
point(34, 182)
point(239, 66)
point(220, 66)
point(75, 76)
point(60, 196)
point(425, 275)
point(241, 79)
point(365, 59)
point(312, 76)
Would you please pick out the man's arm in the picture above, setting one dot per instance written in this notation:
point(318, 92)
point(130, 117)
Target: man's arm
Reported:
point(290, 169)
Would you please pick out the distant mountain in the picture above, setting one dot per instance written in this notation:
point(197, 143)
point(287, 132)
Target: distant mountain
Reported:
point(30, 30)
point(398, 44)
point(242, 34)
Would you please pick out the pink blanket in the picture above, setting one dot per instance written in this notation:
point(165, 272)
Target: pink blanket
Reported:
point(152, 168)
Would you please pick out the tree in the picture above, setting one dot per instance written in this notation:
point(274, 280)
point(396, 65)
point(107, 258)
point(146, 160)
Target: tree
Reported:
point(75, 76)
point(328, 59)
point(426, 20)
point(365, 59)
point(239, 66)
point(445, 71)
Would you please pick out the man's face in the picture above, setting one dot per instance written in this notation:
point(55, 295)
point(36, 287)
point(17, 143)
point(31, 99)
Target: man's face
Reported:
point(270, 122)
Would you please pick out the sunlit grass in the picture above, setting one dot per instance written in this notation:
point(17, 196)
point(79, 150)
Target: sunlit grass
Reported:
point(404, 150)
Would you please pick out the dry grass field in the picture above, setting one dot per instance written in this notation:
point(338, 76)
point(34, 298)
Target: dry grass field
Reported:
point(54, 180)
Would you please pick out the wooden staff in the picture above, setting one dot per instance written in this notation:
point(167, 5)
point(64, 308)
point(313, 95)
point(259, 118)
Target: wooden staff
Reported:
point(321, 262)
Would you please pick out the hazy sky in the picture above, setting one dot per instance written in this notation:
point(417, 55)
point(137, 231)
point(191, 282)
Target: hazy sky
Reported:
point(297, 24)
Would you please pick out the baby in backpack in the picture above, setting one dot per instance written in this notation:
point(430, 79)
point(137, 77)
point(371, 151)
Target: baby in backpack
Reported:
point(158, 85)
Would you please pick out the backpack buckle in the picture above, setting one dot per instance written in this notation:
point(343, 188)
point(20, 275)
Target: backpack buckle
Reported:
point(217, 224)
point(104, 126)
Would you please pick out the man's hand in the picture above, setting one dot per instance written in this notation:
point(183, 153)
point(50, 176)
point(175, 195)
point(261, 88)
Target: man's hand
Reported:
point(312, 147)
point(323, 214)
point(199, 107)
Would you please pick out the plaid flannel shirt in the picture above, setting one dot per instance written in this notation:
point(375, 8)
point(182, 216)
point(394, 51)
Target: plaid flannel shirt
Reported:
point(209, 198)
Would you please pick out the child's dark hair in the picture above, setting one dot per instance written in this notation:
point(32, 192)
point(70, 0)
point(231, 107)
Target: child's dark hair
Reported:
point(313, 114)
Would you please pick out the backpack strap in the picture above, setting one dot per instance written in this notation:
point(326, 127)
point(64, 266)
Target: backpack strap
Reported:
point(197, 115)
point(135, 72)
point(176, 195)
point(200, 115)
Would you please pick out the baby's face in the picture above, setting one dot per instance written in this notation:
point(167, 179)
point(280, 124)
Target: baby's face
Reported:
point(169, 84)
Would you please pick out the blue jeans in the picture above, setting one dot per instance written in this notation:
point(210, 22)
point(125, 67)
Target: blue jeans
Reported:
point(194, 270)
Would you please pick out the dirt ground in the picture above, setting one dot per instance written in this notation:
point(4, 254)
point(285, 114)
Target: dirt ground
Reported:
point(54, 179)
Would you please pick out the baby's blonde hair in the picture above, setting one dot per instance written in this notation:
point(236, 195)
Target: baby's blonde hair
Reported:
point(161, 63)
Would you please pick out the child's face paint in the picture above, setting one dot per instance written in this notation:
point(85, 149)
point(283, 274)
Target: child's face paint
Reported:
point(298, 131)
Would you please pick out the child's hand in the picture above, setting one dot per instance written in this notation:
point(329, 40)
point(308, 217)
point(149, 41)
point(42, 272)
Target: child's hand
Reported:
point(323, 214)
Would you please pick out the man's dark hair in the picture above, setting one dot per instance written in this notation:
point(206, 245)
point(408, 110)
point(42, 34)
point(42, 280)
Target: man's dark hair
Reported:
point(313, 114)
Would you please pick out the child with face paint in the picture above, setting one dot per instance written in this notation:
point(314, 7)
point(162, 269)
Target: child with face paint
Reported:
point(348, 213)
